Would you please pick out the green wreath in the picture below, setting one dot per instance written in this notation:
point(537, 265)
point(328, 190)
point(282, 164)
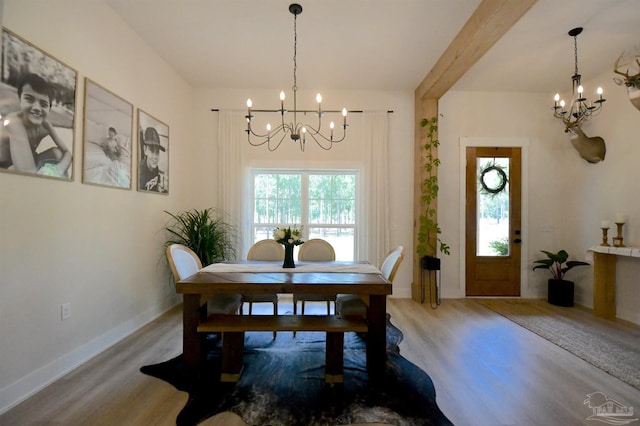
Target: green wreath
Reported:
point(501, 184)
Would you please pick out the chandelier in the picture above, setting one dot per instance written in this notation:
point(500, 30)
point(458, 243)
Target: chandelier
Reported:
point(579, 109)
point(298, 131)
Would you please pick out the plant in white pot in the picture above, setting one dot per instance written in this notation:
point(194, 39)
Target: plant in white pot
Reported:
point(558, 264)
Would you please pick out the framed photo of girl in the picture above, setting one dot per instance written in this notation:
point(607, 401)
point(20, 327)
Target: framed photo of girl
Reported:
point(108, 126)
point(153, 154)
point(37, 106)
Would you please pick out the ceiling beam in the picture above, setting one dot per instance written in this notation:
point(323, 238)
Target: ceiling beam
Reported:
point(490, 21)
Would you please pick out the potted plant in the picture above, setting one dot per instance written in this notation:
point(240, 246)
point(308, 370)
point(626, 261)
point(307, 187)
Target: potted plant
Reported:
point(429, 242)
point(560, 291)
point(203, 231)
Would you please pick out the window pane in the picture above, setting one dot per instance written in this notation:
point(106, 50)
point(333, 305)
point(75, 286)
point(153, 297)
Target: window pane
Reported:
point(342, 240)
point(328, 203)
point(277, 198)
point(344, 212)
point(289, 203)
point(262, 233)
point(332, 199)
point(493, 207)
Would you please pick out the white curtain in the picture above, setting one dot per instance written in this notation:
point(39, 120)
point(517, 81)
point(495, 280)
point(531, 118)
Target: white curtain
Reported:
point(230, 175)
point(374, 241)
point(373, 237)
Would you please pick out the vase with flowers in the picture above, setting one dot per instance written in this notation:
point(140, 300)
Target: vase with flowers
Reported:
point(289, 237)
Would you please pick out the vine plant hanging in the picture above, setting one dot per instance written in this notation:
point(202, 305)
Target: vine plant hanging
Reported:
point(429, 241)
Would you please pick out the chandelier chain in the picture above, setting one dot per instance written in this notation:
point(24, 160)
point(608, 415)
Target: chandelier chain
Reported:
point(575, 53)
point(295, 51)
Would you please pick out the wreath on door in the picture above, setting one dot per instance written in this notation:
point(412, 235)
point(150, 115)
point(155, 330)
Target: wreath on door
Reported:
point(498, 180)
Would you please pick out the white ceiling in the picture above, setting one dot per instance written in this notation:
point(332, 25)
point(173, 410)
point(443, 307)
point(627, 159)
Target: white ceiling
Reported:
point(375, 44)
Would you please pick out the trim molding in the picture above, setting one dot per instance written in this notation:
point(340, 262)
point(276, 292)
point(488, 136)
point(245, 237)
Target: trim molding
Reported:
point(522, 143)
point(30, 384)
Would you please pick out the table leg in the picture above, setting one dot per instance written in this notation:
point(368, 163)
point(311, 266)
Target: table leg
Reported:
point(232, 351)
point(604, 285)
point(190, 339)
point(377, 335)
point(334, 357)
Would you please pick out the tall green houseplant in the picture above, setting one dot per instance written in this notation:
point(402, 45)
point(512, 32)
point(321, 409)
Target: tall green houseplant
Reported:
point(205, 232)
point(429, 242)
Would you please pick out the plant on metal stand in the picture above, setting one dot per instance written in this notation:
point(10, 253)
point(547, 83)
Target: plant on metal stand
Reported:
point(429, 242)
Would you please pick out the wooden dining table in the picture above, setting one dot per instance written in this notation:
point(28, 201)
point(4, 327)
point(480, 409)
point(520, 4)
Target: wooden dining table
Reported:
point(246, 277)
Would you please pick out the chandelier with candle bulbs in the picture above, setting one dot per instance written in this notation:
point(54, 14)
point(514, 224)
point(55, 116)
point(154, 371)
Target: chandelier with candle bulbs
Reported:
point(579, 109)
point(298, 131)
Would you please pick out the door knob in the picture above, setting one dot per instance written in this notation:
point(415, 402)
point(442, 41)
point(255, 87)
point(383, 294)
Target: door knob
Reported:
point(517, 241)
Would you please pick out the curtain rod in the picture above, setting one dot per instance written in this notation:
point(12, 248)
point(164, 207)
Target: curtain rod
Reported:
point(302, 110)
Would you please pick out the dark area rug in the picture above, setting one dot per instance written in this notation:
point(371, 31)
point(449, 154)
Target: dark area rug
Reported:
point(282, 384)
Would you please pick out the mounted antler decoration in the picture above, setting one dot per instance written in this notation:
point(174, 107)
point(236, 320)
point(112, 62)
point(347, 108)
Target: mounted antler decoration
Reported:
point(631, 81)
point(591, 149)
point(579, 111)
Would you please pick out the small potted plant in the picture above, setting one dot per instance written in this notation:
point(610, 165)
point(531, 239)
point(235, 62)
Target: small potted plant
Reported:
point(560, 291)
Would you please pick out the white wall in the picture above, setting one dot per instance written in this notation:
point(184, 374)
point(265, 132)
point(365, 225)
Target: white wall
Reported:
point(98, 248)
point(566, 197)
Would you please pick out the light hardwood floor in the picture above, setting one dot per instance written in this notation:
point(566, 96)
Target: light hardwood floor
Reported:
point(486, 370)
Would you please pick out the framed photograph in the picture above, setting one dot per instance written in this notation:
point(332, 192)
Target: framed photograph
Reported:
point(108, 127)
point(37, 106)
point(153, 154)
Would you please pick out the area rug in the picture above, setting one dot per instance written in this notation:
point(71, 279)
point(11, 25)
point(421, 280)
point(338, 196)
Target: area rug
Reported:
point(282, 384)
point(611, 348)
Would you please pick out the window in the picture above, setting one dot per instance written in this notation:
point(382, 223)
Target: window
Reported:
point(322, 201)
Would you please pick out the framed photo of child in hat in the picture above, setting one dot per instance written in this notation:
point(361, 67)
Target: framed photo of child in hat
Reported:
point(153, 154)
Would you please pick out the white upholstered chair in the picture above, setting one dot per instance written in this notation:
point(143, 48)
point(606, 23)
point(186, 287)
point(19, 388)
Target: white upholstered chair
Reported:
point(184, 263)
point(352, 304)
point(315, 250)
point(264, 250)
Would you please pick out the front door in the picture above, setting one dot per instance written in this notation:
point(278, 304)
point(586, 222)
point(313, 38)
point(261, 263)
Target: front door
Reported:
point(493, 209)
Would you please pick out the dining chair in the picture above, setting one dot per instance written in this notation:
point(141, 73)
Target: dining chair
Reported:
point(352, 304)
point(183, 263)
point(264, 250)
point(315, 250)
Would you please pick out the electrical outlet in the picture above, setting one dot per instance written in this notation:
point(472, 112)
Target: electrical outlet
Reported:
point(65, 310)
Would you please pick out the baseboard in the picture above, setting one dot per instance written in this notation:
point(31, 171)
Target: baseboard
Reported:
point(401, 292)
point(630, 315)
point(30, 384)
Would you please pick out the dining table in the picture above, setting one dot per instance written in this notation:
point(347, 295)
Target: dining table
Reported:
point(247, 277)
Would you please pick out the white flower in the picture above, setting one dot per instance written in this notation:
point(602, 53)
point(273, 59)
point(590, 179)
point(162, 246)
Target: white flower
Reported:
point(288, 235)
point(279, 234)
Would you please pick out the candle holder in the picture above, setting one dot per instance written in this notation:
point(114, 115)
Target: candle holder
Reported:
point(604, 237)
point(617, 241)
